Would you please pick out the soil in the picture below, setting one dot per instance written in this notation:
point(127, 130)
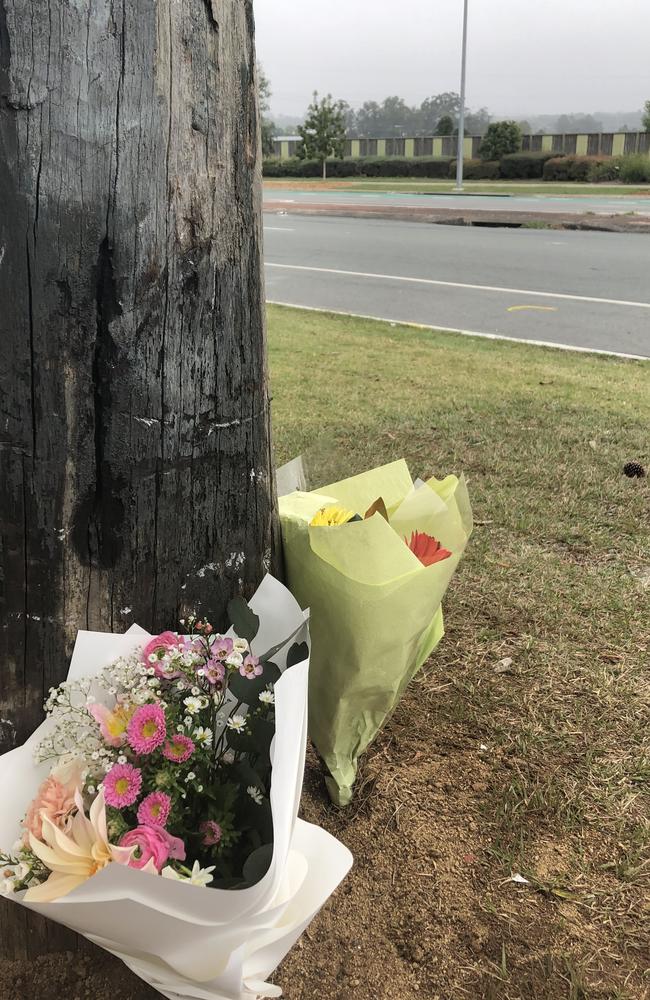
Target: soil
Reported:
point(422, 915)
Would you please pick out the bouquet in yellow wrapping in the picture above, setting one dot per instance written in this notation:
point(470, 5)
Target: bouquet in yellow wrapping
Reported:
point(372, 557)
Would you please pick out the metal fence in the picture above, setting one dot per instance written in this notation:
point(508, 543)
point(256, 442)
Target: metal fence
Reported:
point(579, 144)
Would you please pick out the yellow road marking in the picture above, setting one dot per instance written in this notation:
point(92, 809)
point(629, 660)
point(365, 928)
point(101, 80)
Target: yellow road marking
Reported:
point(550, 309)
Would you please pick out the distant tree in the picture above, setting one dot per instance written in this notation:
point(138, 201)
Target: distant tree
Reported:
point(477, 122)
point(501, 138)
point(432, 109)
point(445, 126)
point(646, 117)
point(578, 123)
point(526, 127)
point(267, 126)
point(323, 133)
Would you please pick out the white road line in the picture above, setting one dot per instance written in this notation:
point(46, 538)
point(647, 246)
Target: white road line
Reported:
point(278, 229)
point(463, 333)
point(459, 284)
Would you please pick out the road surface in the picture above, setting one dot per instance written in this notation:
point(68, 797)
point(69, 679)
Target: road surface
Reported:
point(536, 204)
point(573, 289)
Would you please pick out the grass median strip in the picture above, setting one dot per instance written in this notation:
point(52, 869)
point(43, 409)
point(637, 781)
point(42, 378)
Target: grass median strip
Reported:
point(406, 185)
point(522, 748)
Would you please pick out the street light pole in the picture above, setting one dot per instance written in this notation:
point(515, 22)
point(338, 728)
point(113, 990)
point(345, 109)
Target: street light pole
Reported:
point(461, 116)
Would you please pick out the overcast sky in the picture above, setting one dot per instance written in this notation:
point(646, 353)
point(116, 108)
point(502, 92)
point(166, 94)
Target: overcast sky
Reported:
point(524, 56)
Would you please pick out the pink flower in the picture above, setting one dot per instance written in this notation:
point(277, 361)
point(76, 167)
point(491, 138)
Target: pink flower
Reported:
point(178, 748)
point(159, 647)
point(212, 833)
point(55, 800)
point(251, 667)
point(154, 809)
point(214, 671)
point(122, 785)
point(221, 647)
point(153, 847)
point(147, 729)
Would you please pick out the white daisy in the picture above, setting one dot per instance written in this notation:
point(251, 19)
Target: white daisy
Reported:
point(267, 698)
point(255, 794)
point(237, 722)
point(203, 735)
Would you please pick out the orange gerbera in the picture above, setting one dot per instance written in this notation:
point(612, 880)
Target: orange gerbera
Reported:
point(427, 548)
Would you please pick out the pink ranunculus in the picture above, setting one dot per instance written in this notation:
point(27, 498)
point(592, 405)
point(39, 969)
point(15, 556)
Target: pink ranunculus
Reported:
point(152, 844)
point(55, 799)
point(159, 647)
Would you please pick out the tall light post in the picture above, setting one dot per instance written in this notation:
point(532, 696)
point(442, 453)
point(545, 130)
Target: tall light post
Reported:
point(461, 116)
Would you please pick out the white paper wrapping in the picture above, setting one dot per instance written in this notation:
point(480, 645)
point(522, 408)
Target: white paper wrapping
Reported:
point(186, 941)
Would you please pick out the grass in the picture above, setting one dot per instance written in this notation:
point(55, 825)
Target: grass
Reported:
point(557, 578)
point(408, 185)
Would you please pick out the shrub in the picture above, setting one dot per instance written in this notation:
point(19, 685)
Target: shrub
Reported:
point(500, 139)
point(635, 169)
point(476, 170)
point(292, 167)
point(524, 166)
point(606, 169)
point(572, 168)
point(374, 166)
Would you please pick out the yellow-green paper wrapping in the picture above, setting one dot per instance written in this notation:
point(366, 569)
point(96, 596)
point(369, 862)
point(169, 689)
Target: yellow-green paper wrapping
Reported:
point(375, 609)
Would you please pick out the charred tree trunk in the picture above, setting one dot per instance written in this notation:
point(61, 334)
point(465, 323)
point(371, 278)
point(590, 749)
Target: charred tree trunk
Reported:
point(135, 458)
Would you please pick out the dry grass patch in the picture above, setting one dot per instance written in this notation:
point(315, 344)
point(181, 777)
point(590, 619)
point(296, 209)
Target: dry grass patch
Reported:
point(522, 748)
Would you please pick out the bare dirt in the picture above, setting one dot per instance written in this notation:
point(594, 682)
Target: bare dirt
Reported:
point(422, 916)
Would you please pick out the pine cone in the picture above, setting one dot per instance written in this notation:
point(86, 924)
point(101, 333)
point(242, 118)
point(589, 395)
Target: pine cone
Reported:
point(634, 470)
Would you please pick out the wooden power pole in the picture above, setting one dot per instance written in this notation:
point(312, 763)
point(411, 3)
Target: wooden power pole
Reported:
point(135, 457)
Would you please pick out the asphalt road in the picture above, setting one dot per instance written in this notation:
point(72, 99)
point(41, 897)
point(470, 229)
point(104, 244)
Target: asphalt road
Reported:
point(575, 289)
point(497, 203)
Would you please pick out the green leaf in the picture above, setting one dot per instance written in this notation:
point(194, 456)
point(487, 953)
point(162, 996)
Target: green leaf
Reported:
point(262, 732)
point(258, 864)
point(244, 621)
point(249, 689)
point(298, 652)
point(241, 741)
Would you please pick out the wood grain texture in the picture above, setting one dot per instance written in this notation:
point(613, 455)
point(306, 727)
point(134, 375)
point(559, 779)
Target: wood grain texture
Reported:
point(135, 453)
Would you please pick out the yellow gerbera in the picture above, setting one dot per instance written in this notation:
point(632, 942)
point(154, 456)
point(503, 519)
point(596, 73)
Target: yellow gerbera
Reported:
point(331, 517)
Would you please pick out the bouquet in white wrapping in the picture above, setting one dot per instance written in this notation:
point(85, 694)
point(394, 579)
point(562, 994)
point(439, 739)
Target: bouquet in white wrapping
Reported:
point(155, 809)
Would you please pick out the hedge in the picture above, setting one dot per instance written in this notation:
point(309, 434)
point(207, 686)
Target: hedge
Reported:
point(524, 166)
point(571, 168)
point(516, 166)
point(376, 166)
point(477, 170)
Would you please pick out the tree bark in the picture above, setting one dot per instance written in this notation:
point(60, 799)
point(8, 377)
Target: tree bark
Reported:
point(135, 456)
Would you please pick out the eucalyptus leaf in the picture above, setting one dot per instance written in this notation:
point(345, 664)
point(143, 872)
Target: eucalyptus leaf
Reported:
point(298, 652)
point(258, 864)
point(244, 620)
point(249, 689)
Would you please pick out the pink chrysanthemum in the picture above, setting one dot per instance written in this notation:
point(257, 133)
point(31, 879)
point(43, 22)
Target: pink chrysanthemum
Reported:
point(122, 785)
point(212, 833)
point(147, 729)
point(251, 667)
point(178, 748)
point(154, 810)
